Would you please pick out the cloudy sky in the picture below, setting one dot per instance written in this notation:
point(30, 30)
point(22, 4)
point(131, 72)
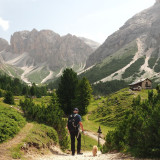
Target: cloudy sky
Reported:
point(94, 19)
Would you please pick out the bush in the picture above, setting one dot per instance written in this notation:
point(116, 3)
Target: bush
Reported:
point(10, 123)
point(8, 98)
point(50, 115)
point(139, 132)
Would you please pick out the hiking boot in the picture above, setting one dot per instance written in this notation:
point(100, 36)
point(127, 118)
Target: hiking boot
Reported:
point(79, 153)
point(73, 154)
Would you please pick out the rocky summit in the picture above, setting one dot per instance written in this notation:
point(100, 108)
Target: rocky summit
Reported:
point(42, 55)
point(136, 43)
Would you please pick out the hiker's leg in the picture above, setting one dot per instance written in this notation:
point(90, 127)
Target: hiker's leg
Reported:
point(73, 142)
point(79, 143)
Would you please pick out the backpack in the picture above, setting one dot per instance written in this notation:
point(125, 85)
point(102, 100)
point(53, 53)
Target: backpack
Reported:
point(73, 122)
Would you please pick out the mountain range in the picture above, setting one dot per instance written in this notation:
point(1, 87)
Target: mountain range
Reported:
point(131, 53)
point(37, 56)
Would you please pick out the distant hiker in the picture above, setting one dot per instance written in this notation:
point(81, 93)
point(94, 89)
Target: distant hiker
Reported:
point(74, 124)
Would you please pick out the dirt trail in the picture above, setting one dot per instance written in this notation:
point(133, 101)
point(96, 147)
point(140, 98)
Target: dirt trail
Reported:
point(4, 147)
point(85, 156)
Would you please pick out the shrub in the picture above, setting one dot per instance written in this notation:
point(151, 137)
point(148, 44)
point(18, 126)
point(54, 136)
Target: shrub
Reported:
point(10, 123)
point(8, 98)
point(139, 132)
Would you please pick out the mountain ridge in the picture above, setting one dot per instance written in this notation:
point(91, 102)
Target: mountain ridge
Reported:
point(45, 53)
point(144, 29)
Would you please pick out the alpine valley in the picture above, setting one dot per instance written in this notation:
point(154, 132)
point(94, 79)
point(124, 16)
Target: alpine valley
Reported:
point(131, 53)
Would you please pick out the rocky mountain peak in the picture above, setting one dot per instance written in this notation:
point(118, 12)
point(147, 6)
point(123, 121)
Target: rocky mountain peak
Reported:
point(46, 46)
point(146, 22)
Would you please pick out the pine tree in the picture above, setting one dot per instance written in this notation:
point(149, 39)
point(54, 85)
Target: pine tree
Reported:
point(83, 95)
point(9, 99)
point(33, 90)
point(66, 90)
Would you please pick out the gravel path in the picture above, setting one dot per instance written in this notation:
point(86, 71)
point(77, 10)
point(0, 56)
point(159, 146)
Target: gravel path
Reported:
point(86, 156)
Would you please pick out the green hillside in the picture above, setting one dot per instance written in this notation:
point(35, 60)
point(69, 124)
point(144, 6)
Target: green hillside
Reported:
point(109, 111)
point(112, 63)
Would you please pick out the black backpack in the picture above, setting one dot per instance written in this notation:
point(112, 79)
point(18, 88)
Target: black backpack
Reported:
point(73, 122)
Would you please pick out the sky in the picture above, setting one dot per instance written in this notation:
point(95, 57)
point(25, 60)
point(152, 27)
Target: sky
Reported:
point(93, 19)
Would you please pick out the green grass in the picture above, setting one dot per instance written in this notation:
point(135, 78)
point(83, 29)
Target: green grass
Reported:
point(91, 125)
point(108, 111)
point(38, 76)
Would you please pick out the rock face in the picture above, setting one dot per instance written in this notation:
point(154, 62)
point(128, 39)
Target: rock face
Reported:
point(3, 44)
point(145, 23)
point(50, 48)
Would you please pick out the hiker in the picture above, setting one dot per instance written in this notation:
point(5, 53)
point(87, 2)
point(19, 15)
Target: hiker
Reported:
point(74, 124)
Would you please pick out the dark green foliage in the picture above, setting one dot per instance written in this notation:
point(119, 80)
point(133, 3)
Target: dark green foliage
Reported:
point(152, 62)
point(97, 73)
point(33, 90)
point(67, 90)
point(1, 93)
point(18, 88)
point(157, 67)
point(37, 91)
point(139, 132)
point(108, 87)
point(73, 92)
point(10, 123)
point(153, 58)
point(50, 115)
point(83, 96)
point(8, 98)
point(13, 85)
point(54, 85)
point(134, 68)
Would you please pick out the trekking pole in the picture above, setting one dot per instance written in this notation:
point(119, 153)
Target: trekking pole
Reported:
point(84, 141)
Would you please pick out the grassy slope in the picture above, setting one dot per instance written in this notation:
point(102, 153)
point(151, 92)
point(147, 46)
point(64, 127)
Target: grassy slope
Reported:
point(108, 111)
point(38, 76)
point(112, 63)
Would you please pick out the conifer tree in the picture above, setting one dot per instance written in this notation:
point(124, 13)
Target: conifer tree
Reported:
point(9, 99)
point(83, 95)
point(67, 90)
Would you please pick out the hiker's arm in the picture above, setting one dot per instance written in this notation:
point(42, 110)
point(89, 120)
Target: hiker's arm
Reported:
point(81, 125)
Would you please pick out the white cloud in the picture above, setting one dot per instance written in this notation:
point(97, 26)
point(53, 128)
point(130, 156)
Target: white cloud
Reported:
point(4, 24)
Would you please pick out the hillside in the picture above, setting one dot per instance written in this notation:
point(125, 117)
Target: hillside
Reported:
point(109, 111)
point(137, 39)
point(37, 56)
